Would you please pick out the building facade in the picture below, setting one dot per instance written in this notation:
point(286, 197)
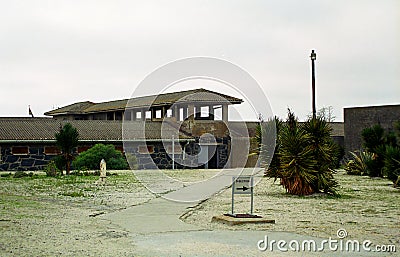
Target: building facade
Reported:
point(358, 118)
point(150, 127)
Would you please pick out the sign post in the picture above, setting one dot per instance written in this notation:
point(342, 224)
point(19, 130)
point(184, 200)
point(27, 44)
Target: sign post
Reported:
point(242, 185)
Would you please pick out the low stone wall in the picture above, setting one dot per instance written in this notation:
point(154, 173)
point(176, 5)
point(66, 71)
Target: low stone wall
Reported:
point(35, 159)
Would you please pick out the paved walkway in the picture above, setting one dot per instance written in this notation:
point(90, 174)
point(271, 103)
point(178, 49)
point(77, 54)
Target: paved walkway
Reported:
point(156, 230)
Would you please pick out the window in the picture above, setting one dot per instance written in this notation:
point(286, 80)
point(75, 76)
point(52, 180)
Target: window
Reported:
point(178, 149)
point(143, 149)
point(127, 115)
point(118, 116)
point(20, 150)
point(158, 114)
point(169, 113)
point(51, 150)
point(148, 115)
point(138, 115)
point(204, 111)
point(119, 148)
point(83, 148)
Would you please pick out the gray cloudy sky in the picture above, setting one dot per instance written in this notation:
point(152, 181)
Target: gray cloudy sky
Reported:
point(54, 53)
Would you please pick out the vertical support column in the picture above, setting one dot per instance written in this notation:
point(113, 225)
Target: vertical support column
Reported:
point(191, 110)
point(173, 152)
point(185, 112)
point(211, 112)
point(153, 113)
point(233, 194)
point(163, 112)
point(252, 193)
point(113, 115)
point(143, 114)
point(176, 112)
point(197, 113)
point(225, 112)
point(133, 115)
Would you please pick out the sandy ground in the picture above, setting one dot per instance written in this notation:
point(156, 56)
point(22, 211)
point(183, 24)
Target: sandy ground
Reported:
point(51, 217)
point(38, 217)
point(368, 209)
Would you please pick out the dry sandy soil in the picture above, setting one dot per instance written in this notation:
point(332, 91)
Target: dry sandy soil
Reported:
point(43, 216)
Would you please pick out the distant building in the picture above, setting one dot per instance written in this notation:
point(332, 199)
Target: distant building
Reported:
point(358, 118)
point(137, 125)
point(29, 143)
point(178, 105)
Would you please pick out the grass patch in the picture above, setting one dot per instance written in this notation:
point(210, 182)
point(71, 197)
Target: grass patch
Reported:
point(72, 194)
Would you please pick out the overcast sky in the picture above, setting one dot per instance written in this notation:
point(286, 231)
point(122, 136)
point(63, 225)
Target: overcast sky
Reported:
point(54, 53)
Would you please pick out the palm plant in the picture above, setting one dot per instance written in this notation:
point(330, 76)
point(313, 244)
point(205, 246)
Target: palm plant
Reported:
point(297, 168)
point(323, 151)
point(358, 164)
point(303, 157)
point(67, 139)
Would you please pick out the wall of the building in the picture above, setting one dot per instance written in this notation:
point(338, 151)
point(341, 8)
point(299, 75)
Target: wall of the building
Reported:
point(356, 119)
point(36, 157)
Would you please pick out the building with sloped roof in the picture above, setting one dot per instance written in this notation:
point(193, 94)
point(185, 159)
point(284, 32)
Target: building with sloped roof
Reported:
point(145, 126)
point(177, 105)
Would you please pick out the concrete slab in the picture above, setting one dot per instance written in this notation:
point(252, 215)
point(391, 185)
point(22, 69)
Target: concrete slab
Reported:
point(237, 221)
point(155, 216)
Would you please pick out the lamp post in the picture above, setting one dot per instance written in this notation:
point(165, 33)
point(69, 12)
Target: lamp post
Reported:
point(313, 57)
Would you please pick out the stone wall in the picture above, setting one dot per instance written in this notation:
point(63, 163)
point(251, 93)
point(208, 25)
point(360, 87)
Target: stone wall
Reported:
point(35, 159)
point(358, 118)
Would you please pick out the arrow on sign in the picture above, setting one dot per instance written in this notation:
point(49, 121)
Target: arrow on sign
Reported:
point(242, 188)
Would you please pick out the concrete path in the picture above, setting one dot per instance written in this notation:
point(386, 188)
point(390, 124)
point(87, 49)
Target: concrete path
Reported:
point(156, 230)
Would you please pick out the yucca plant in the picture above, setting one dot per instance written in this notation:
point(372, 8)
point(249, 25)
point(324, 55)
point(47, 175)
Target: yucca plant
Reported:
point(358, 164)
point(303, 157)
point(323, 151)
point(297, 167)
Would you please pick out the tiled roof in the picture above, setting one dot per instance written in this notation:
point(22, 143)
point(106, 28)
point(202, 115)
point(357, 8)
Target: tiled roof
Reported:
point(38, 129)
point(196, 95)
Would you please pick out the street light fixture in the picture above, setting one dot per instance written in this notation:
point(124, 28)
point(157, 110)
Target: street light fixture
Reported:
point(313, 57)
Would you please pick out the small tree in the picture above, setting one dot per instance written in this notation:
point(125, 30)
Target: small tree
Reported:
point(67, 139)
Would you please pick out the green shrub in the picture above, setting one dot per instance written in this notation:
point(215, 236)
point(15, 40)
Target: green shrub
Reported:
point(91, 158)
point(358, 164)
point(52, 170)
point(22, 174)
point(374, 141)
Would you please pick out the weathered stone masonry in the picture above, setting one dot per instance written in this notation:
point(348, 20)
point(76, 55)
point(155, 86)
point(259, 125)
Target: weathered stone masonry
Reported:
point(34, 159)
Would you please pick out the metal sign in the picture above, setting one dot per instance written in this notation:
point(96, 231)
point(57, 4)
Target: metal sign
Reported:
point(242, 185)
